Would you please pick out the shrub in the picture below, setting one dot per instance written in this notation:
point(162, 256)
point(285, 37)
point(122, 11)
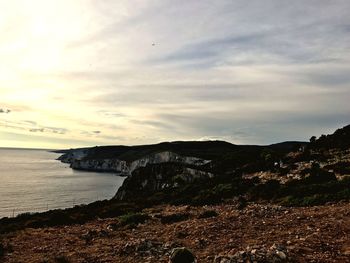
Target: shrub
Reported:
point(133, 219)
point(289, 201)
point(268, 190)
point(179, 180)
point(173, 218)
point(340, 167)
point(318, 175)
point(24, 215)
point(182, 255)
point(61, 259)
point(208, 214)
point(205, 197)
point(299, 193)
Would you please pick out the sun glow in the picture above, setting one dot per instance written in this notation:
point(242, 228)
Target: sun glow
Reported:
point(84, 72)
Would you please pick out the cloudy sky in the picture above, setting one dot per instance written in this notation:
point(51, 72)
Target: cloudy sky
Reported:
point(79, 73)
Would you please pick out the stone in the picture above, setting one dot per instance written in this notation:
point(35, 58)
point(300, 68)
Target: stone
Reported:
point(112, 227)
point(275, 253)
point(281, 254)
point(182, 255)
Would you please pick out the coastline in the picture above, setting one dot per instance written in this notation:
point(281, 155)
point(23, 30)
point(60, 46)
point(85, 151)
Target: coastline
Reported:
point(45, 183)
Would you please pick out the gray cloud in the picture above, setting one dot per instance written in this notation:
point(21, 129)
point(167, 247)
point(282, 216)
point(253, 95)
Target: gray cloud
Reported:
point(55, 130)
point(5, 111)
point(37, 130)
point(91, 133)
point(49, 130)
point(112, 114)
point(247, 72)
point(277, 46)
point(32, 126)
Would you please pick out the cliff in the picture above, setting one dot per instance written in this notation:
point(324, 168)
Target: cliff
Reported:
point(149, 179)
point(172, 165)
point(79, 159)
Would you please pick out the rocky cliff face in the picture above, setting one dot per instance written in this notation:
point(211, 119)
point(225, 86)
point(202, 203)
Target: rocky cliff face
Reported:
point(156, 177)
point(78, 160)
point(73, 155)
point(146, 175)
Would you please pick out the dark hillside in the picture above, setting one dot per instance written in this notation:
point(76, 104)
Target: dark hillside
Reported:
point(205, 150)
point(339, 139)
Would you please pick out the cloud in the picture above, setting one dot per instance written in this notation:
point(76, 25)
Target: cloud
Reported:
point(56, 130)
point(248, 73)
point(46, 129)
point(5, 111)
point(37, 130)
point(91, 133)
point(213, 48)
point(273, 46)
point(34, 123)
point(49, 130)
point(31, 126)
point(111, 114)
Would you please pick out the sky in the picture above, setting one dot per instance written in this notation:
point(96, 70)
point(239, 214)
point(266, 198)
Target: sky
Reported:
point(79, 73)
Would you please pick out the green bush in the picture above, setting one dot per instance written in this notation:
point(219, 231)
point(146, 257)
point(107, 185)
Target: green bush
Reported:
point(173, 218)
point(133, 219)
point(299, 193)
point(268, 190)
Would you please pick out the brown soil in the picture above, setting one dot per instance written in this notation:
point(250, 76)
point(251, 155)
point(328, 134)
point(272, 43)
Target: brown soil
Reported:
point(314, 234)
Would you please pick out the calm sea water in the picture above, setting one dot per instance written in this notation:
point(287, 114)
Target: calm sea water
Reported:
point(33, 181)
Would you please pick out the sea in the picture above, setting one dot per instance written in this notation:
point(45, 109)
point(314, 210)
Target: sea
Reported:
point(34, 181)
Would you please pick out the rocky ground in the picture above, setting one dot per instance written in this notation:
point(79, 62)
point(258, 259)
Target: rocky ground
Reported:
point(220, 233)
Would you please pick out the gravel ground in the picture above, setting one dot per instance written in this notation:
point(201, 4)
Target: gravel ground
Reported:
point(309, 234)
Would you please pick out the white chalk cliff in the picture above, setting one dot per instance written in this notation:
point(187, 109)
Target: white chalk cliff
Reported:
point(77, 159)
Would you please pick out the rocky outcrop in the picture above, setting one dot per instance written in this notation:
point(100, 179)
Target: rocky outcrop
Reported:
point(146, 174)
point(156, 177)
point(73, 155)
point(103, 165)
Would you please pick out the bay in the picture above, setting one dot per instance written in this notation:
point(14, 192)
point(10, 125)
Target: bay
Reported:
point(34, 181)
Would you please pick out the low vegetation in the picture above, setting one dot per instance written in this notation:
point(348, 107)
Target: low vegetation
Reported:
point(70, 216)
point(133, 219)
point(173, 218)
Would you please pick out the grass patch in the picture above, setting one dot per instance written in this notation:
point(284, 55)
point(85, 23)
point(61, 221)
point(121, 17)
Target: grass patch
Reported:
point(75, 215)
